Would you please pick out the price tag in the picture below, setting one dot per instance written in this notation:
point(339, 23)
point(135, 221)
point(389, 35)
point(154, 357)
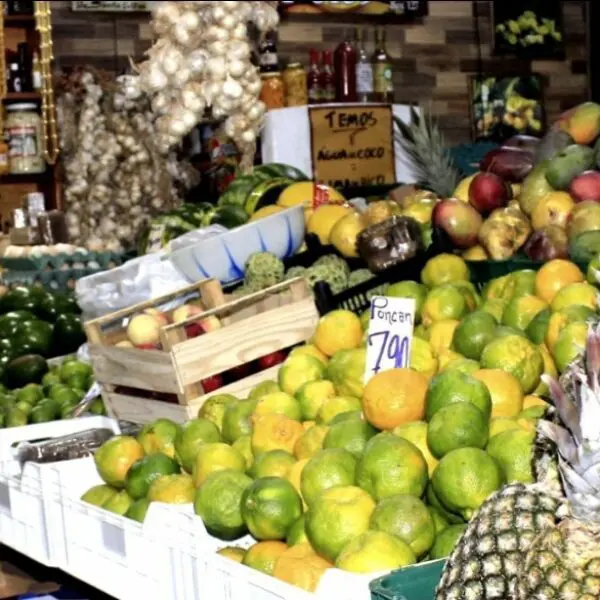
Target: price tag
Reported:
point(390, 334)
point(352, 145)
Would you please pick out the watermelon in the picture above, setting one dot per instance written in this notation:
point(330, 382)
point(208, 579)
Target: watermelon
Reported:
point(229, 216)
point(240, 187)
point(265, 193)
point(281, 170)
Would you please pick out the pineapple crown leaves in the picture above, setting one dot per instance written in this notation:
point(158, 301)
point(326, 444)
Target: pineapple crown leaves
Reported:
point(426, 152)
point(578, 442)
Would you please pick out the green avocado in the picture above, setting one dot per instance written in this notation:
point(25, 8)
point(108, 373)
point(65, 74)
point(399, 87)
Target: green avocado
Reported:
point(10, 322)
point(21, 297)
point(68, 334)
point(33, 337)
point(29, 368)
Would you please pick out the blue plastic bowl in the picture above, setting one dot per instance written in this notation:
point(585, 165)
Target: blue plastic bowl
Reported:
point(224, 256)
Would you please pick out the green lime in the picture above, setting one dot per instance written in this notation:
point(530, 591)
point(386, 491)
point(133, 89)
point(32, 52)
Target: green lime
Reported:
point(452, 386)
point(465, 478)
point(138, 510)
point(274, 463)
point(513, 449)
point(536, 330)
point(143, 472)
point(409, 289)
point(326, 469)
point(213, 409)
point(350, 434)
point(236, 420)
point(458, 425)
point(473, 333)
point(521, 310)
point(446, 540)
point(190, 438)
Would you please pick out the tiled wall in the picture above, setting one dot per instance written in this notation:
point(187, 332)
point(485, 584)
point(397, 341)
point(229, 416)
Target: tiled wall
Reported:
point(433, 59)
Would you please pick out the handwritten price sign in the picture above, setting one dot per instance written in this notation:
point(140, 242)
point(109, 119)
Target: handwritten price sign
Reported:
point(390, 334)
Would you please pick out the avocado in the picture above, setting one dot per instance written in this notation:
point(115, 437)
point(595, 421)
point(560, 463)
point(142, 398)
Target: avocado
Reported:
point(68, 334)
point(33, 336)
point(9, 322)
point(29, 368)
point(569, 163)
point(21, 297)
point(144, 471)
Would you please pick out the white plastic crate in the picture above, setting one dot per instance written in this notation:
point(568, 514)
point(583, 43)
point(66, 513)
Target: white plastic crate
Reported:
point(30, 498)
point(202, 574)
point(116, 555)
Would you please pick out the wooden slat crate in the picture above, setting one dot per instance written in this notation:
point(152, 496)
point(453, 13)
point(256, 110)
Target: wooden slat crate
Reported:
point(251, 327)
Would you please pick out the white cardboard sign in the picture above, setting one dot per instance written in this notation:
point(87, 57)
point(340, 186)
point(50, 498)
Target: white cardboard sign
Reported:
point(391, 327)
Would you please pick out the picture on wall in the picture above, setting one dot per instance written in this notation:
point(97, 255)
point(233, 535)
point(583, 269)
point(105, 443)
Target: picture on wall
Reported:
point(96, 6)
point(530, 29)
point(503, 106)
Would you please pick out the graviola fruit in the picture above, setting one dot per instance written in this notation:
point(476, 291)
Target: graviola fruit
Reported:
point(488, 192)
point(459, 220)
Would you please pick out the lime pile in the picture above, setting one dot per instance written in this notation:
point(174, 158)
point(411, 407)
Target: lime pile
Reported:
point(324, 471)
point(59, 392)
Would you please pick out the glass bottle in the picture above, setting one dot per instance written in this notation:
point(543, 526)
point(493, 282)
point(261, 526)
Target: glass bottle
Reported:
point(383, 84)
point(364, 69)
point(345, 72)
point(313, 82)
point(327, 79)
point(267, 51)
point(36, 73)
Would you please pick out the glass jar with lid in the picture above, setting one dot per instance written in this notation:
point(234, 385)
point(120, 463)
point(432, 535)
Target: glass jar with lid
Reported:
point(23, 132)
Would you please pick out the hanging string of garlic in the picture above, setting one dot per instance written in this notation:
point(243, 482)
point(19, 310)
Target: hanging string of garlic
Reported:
point(115, 179)
point(201, 60)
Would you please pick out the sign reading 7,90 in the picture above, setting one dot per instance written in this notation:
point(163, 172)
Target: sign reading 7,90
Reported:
point(390, 334)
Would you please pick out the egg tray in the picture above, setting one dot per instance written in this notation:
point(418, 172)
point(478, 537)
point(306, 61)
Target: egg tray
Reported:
point(104, 260)
point(56, 280)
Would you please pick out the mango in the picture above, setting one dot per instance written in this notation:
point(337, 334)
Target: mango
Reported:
point(583, 124)
point(569, 163)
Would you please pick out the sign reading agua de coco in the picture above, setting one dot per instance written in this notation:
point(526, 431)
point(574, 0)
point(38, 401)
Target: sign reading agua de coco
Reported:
point(352, 145)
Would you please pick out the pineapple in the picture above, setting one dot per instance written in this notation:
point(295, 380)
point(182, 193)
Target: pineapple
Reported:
point(425, 149)
point(542, 541)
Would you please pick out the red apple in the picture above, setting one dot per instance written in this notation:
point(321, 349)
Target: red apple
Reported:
point(488, 192)
point(193, 330)
point(239, 372)
point(270, 360)
point(586, 187)
point(212, 383)
point(459, 220)
point(186, 311)
point(161, 317)
point(148, 347)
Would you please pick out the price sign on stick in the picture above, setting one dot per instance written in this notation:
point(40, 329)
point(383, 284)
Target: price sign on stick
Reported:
point(390, 334)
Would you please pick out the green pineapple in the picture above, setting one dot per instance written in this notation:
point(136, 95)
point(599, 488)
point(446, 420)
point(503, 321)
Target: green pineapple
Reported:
point(426, 151)
point(542, 541)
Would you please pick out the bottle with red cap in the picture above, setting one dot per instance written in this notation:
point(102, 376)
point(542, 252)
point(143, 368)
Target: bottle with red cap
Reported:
point(313, 79)
point(328, 78)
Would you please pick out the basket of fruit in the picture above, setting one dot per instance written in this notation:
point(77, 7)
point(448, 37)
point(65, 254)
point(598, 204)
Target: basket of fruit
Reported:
point(153, 363)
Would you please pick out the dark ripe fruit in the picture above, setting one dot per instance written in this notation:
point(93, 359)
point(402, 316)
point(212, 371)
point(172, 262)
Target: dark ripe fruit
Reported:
point(547, 243)
point(459, 220)
point(270, 360)
point(193, 330)
point(212, 383)
point(586, 187)
point(488, 192)
point(509, 163)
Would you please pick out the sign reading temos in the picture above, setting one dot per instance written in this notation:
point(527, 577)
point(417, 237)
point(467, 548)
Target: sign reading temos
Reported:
point(389, 338)
point(352, 145)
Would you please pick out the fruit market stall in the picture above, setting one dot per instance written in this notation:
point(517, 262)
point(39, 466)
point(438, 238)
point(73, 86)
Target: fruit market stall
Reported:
point(305, 392)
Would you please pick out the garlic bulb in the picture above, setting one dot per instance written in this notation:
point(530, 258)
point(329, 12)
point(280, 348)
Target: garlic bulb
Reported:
point(202, 59)
point(117, 175)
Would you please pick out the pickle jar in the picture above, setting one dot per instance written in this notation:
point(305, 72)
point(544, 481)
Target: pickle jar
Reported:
point(295, 82)
point(273, 91)
point(23, 130)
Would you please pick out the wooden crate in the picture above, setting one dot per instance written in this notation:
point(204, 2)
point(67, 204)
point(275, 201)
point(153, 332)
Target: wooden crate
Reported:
point(251, 327)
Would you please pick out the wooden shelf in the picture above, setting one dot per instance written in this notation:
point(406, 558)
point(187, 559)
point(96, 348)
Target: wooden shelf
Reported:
point(19, 21)
point(36, 178)
point(23, 96)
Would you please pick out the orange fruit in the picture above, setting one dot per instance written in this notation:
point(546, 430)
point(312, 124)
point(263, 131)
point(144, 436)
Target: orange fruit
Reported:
point(232, 553)
point(554, 276)
point(114, 458)
point(553, 209)
point(301, 566)
point(505, 390)
point(275, 432)
point(263, 556)
point(338, 330)
point(294, 476)
point(394, 397)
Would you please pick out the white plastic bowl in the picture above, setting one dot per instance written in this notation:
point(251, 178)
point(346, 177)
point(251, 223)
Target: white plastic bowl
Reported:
point(224, 256)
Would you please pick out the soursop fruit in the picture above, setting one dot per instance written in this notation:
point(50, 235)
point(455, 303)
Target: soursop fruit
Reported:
point(337, 279)
point(359, 276)
point(263, 269)
point(294, 272)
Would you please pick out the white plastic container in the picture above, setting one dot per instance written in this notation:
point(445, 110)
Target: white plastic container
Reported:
point(114, 554)
point(31, 513)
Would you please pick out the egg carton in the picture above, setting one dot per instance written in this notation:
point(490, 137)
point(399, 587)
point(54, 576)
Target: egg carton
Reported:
point(99, 261)
point(56, 280)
